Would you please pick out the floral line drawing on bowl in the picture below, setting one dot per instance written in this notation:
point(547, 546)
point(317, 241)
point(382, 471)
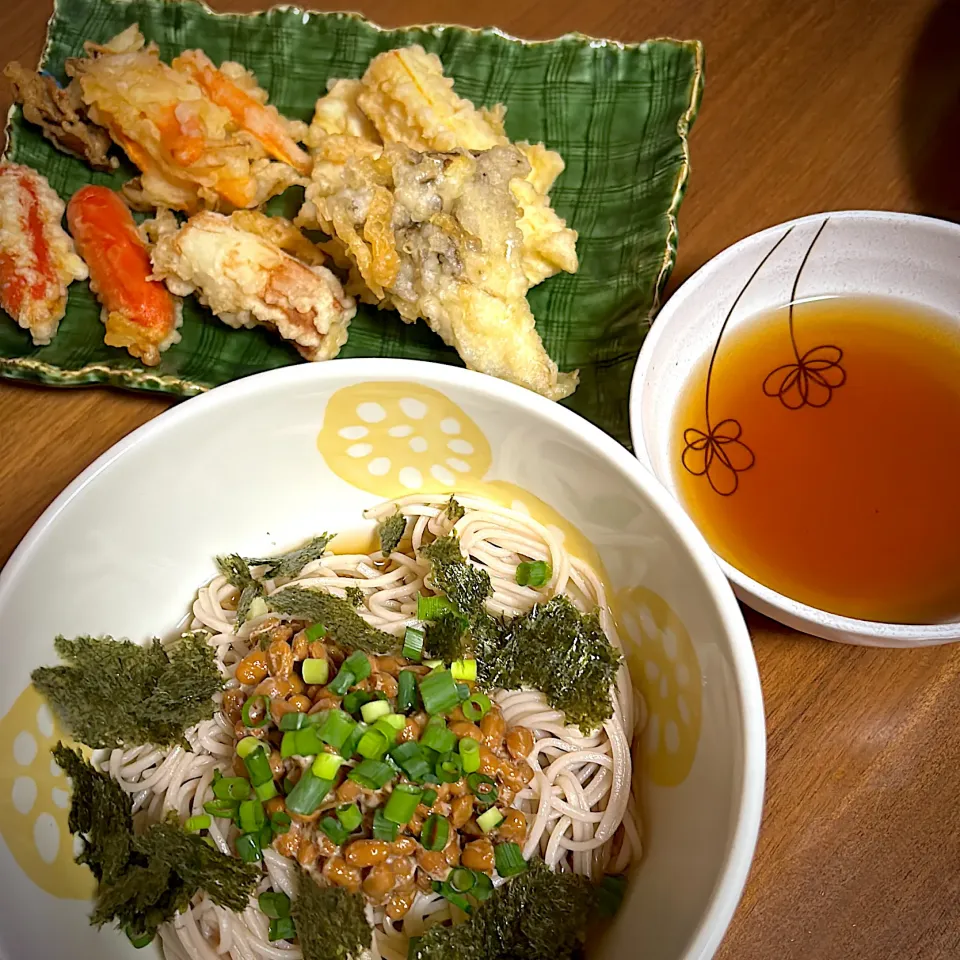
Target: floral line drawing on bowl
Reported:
point(812, 378)
point(718, 452)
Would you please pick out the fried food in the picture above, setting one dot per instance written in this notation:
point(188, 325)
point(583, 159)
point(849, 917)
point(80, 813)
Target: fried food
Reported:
point(202, 137)
point(61, 115)
point(436, 236)
point(437, 214)
point(251, 269)
point(407, 98)
point(138, 312)
point(38, 260)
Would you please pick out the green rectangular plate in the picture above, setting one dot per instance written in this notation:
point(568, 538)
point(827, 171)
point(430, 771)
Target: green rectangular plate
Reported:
point(618, 113)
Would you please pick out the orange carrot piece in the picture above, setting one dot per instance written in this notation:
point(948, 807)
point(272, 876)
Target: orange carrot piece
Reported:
point(252, 116)
point(139, 313)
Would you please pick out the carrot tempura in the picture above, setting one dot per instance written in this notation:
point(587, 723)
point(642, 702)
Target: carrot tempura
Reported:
point(139, 313)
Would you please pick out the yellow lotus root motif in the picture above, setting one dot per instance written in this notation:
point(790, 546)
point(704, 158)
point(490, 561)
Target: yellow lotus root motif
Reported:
point(35, 800)
point(397, 438)
point(665, 669)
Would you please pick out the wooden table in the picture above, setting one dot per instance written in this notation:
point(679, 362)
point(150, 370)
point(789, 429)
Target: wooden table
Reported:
point(814, 105)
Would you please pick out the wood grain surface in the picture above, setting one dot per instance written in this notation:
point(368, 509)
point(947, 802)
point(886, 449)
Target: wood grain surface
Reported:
point(823, 104)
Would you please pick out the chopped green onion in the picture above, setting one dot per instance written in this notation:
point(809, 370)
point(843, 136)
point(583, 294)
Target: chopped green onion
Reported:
point(402, 803)
point(429, 608)
point(222, 808)
point(308, 741)
point(248, 848)
point(288, 784)
point(258, 607)
point(413, 644)
point(315, 671)
point(439, 692)
point(358, 663)
point(246, 746)
point(335, 728)
point(231, 788)
point(376, 708)
point(354, 700)
point(438, 736)
point(429, 797)
point(463, 691)
point(490, 820)
point(326, 765)
point(435, 832)
point(288, 745)
point(509, 858)
point(349, 748)
point(293, 721)
point(483, 888)
point(469, 754)
point(433, 664)
point(308, 794)
point(252, 817)
point(282, 929)
point(610, 893)
point(316, 632)
point(384, 829)
point(334, 830)
point(280, 822)
point(139, 940)
point(196, 824)
point(462, 879)
point(276, 906)
point(349, 816)
point(373, 744)
point(483, 787)
point(395, 720)
point(264, 701)
point(409, 757)
point(464, 670)
point(266, 791)
point(389, 731)
point(406, 691)
point(449, 767)
point(258, 766)
point(343, 681)
point(372, 774)
point(457, 899)
point(476, 706)
point(534, 574)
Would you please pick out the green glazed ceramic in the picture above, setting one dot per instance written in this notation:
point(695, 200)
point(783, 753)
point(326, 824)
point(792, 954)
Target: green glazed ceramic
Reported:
point(619, 114)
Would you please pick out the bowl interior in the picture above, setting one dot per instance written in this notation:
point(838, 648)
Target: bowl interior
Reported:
point(261, 464)
point(858, 253)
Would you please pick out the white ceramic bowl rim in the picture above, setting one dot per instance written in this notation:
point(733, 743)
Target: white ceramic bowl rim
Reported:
point(726, 895)
point(867, 629)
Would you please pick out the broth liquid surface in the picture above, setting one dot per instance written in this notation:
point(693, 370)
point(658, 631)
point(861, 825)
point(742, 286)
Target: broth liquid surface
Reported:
point(853, 506)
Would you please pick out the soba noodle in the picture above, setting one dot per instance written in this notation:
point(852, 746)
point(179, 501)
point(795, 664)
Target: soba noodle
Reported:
point(579, 807)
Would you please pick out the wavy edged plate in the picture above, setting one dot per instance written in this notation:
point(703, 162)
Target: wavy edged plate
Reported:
point(618, 113)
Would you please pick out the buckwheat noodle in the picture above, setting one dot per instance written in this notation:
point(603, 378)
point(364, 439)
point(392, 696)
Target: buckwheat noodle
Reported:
point(580, 812)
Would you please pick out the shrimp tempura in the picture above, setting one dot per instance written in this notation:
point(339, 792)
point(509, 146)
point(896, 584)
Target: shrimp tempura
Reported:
point(202, 136)
point(38, 260)
point(138, 312)
point(252, 269)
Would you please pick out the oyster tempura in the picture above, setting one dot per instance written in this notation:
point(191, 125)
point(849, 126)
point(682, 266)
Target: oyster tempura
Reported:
point(436, 236)
point(202, 137)
point(438, 215)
